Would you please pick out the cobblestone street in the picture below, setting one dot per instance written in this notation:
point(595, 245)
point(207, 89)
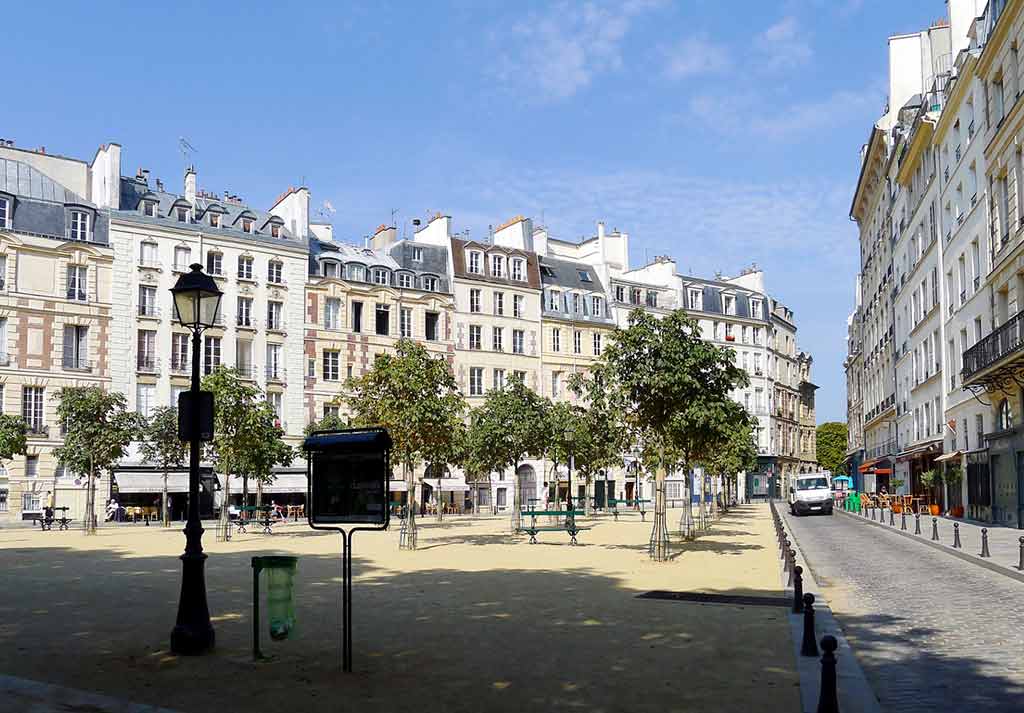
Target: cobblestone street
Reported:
point(932, 632)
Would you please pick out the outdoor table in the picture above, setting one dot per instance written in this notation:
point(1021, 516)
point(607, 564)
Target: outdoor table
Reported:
point(296, 511)
point(63, 520)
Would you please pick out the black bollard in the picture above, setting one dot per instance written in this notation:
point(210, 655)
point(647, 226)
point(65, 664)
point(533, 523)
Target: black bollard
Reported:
point(984, 543)
point(798, 589)
point(903, 520)
point(809, 647)
point(873, 512)
point(935, 529)
point(828, 701)
point(892, 520)
point(1020, 566)
point(785, 553)
point(792, 567)
point(917, 523)
point(956, 536)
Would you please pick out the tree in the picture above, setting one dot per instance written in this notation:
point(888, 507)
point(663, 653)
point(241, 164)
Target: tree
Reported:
point(737, 453)
point(98, 429)
point(12, 436)
point(330, 422)
point(831, 445)
point(233, 402)
point(266, 447)
point(674, 387)
point(504, 430)
point(162, 447)
point(599, 434)
point(416, 398)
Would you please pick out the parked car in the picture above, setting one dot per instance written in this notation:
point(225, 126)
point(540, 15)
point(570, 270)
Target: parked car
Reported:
point(810, 493)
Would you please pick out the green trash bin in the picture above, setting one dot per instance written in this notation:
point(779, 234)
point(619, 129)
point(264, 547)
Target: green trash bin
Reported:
point(853, 501)
point(280, 598)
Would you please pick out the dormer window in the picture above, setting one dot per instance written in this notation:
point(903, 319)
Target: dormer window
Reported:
point(380, 277)
point(695, 299)
point(214, 220)
point(5, 213)
point(729, 304)
point(417, 254)
point(275, 230)
point(518, 271)
point(330, 268)
point(597, 306)
point(475, 262)
point(546, 271)
point(246, 225)
point(430, 284)
point(498, 265)
point(357, 273)
point(584, 276)
point(182, 215)
point(575, 303)
point(404, 280)
point(79, 225)
point(149, 208)
point(554, 299)
point(755, 308)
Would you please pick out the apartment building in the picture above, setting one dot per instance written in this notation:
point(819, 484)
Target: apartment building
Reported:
point(55, 316)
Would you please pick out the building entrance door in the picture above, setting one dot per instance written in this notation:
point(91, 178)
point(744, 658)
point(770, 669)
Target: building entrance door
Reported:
point(1020, 489)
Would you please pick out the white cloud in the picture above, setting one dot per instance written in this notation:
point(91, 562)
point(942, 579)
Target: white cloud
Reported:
point(695, 56)
point(559, 52)
point(783, 45)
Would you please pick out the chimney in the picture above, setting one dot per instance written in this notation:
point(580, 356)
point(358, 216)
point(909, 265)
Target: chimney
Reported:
point(144, 172)
point(190, 184)
point(159, 185)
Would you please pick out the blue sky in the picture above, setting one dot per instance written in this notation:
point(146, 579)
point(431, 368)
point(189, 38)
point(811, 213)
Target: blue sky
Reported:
point(722, 133)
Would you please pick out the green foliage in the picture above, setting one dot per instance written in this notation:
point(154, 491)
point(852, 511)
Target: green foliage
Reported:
point(739, 450)
point(599, 437)
point(12, 436)
point(930, 478)
point(329, 422)
point(508, 427)
point(416, 398)
point(160, 443)
point(266, 447)
point(830, 441)
point(99, 428)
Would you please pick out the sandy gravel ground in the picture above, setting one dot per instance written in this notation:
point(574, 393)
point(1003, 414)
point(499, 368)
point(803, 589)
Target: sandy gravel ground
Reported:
point(475, 620)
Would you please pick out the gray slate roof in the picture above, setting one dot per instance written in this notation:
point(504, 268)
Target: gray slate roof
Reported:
point(21, 179)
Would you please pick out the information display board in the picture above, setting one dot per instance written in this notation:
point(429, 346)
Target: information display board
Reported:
point(348, 477)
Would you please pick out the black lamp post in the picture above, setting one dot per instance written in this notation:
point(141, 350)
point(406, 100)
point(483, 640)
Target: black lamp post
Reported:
point(569, 434)
point(196, 306)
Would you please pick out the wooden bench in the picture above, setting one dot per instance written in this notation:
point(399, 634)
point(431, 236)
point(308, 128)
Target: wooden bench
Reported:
point(570, 525)
point(629, 505)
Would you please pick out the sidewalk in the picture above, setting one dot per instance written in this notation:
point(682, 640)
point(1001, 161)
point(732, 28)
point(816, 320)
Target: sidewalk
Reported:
point(1003, 542)
point(21, 694)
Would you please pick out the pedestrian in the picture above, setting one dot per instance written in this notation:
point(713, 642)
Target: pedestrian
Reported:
point(169, 510)
point(48, 508)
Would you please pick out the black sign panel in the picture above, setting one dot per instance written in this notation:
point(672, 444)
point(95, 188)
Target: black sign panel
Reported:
point(348, 477)
point(195, 415)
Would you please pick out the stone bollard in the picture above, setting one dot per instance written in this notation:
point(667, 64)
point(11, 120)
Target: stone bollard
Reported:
point(984, 543)
point(809, 647)
point(798, 589)
point(935, 529)
point(873, 513)
point(917, 523)
point(956, 536)
point(828, 700)
point(787, 545)
point(792, 567)
point(892, 520)
point(903, 520)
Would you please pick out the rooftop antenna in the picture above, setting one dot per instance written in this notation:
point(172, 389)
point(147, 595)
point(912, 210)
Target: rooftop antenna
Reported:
point(187, 150)
point(394, 212)
point(326, 209)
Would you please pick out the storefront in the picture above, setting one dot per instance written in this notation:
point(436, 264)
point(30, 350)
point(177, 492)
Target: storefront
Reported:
point(979, 486)
point(918, 460)
point(287, 488)
point(876, 475)
point(1006, 468)
point(143, 488)
point(450, 493)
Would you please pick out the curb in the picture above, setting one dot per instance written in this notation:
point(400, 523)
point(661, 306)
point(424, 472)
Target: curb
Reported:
point(38, 696)
point(991, 566)
point(855, 692)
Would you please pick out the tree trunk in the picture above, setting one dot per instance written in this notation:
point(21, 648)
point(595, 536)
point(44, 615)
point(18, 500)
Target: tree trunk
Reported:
point(90, 501)
point(166, 515)
point(222, 530)
point(516, 498)
point(410, 485)
point(686, 518)
point(714, 498)
point(702, 515)
point(245, 491)
point(658, 545)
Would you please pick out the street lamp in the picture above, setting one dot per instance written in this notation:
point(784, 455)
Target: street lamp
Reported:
point(196, 306)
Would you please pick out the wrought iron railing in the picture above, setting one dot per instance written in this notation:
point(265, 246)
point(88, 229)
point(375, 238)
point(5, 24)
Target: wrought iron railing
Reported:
point(1004, 342)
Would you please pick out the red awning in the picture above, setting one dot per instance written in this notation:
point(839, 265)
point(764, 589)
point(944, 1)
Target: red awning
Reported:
point(868, 465)
point(883, 471)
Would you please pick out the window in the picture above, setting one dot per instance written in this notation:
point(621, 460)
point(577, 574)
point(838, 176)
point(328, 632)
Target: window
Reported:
point(517, 341)
point(474, 262)
point(405, 323)
point(147, 301)
point(246, 225)
point(695, 300)
point(501, 497)
point(499, 303)
point(556, 340)
point(728, 332)
point(517, 306)
point(476, 381)
point(275, 230)
point(276, 399)
point(584, 276)
point(597, 343)
point(430, 326)
point(244, 310)
point(620, 293)
point(244, 267)
point(79, 225)
point(577, 342)
point(145, 399)
point(404, 280)
point(274, 310)
point(474, 336)
point(518, 271)
point(274, 368)
point(3, 271)
point(556, 383)
point(215, 220)
point(430, 284)
point(499, 379)
point(380, 277)
point(474, 300)
point(348, 371)
point(31, 502)
point(274, 272)
point(182, 257)
point(76, 346)
point(5, 358)
point(181, 214)
point(149, 255)
point(146, 353)
point(332, 313)
point(743, 334)
point(597, 306)
point(383, 319)
point(5, 213)
point(77, 283)
point(755, 308)
point(357, 316)
point(417, 254)
point(332, 365)
point(311, 368)
point(357, 273)
point(331, 411)
point(211, 353)
point(243, 357)
point(180, 352)
point(497, 335)
point(1005, 417)
point(575, 303)
point(329, 268)
point(546, 271)
point(497, 265)
point(214, 263)
point(32, 407)
point(729, 304)
point(554, 300)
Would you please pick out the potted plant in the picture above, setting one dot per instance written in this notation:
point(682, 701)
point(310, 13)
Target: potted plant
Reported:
point(954, 476)
point(897, 505)
point(929, 479)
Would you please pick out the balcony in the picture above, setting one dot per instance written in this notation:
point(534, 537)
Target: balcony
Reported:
point(149, 311)
point(76, 363)
point(246, 322)
point(37, 430)
point(246, 372)
point(879, 451)
point(276, 373)
point(181, 366)
point(148, 364)
point(1004, 348)
point(149, 263)
point(77, 295)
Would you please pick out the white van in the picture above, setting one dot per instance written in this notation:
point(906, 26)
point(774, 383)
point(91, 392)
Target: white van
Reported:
point(810, 493)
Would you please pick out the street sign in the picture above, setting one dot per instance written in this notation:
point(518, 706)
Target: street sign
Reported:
point(195, 415)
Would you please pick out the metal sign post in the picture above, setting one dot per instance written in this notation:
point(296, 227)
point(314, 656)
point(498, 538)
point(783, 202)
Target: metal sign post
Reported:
point(348, 473)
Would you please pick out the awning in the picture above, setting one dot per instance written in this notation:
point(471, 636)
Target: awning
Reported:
point(883, 471)
point(151, 482)
point(397, 486)
point(864, 467)
point(919, 451)
point(447, 485)
point(949, 456)
point(283, 483)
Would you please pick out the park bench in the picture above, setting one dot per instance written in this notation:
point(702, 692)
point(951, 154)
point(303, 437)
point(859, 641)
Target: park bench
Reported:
point(45, 523)
point(640, 507)
point(570, 525)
